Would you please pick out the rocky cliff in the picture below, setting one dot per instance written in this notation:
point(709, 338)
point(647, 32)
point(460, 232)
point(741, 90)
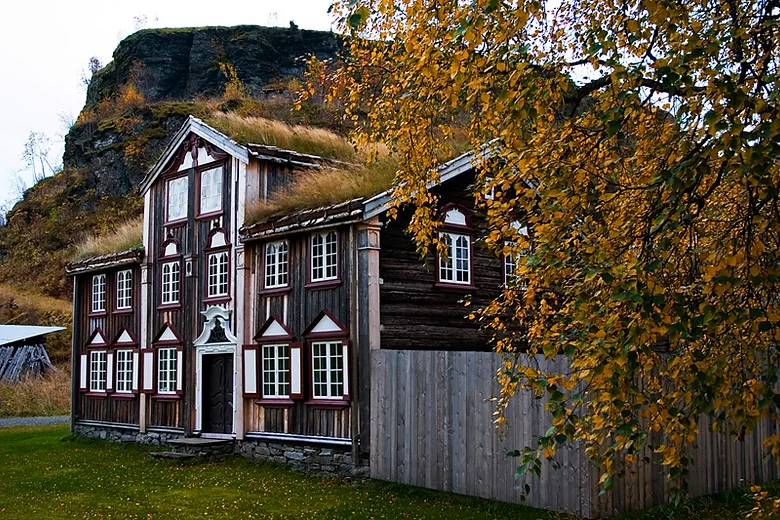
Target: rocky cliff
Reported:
point(134, 105)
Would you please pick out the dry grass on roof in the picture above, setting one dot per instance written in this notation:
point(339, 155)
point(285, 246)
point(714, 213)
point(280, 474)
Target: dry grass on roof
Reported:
point(302, 139)
point(124, 238)
point(318, 188)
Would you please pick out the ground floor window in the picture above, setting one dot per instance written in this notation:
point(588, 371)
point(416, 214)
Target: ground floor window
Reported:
point(166, 370)
point(328, 380)
point(124, 371)
point(97, 371)
point(276, 370)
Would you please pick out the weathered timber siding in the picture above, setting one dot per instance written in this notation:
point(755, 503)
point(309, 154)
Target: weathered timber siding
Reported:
point(298, 309)
point(431, 426)
point(110, 408)
point(414, 313)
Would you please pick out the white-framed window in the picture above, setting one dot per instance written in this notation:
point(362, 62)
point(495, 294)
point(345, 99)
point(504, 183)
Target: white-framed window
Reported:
point(124, 280)
point(455, 267)
point(276, 254)
point(512, 259)
point(211, 190)
point(124, 371)
point(324, 256)
point(97, 371)
point(99, 293)
point(218, 274)
point(276, 371)
point(177, 198)
point(171, 272)
point(328, 369)
point(491, 193)
point(166, 370)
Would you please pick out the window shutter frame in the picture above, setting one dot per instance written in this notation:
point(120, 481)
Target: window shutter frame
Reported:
point(84, 373)
point(296, 370)
point(179, 370)
point(147, 358)
point(250, 363)
point(110, 371)
point(345, 354)
point(136, 357)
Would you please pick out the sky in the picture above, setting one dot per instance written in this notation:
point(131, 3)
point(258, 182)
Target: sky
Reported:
point(45, 48)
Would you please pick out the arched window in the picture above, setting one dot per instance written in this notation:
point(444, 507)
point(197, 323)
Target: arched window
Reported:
point(455, 265)
point(276, 264)
point(324, 256)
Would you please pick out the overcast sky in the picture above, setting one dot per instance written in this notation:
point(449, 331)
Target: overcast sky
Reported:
point(45, 47)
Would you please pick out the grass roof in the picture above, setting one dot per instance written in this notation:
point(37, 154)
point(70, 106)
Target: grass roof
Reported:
point(302, 139)
point(126, 237)
point(319, 188)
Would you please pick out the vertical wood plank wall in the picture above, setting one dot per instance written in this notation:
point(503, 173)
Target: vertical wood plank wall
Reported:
point(431, 426)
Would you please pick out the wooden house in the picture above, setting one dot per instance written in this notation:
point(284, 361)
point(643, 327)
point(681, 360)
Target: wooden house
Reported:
point(262, 331)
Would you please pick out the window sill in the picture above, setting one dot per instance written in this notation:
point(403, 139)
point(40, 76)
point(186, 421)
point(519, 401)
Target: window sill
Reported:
point(166, 397)
point(327, 403)
point(177, 222)
point(275, 291)
point(99, 395)
point(97, 314)
point(324, 284)
point(169, 306)
point(123, 395)
point(214, 300)
point(210, 215)
point(454, 287)
point(129, 310)
point(275, 403)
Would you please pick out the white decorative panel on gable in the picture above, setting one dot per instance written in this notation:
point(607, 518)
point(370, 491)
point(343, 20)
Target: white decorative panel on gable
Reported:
point(98, 339)
point(167, 335)
point(325, 325)
point(125, 338)
point(456, 217)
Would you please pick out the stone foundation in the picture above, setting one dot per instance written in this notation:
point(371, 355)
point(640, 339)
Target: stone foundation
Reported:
point(329, 461)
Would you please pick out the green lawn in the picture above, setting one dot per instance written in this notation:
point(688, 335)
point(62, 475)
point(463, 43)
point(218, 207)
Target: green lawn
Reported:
point(46, 474)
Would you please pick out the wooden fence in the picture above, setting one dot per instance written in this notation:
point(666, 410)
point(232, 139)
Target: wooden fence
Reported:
point(432, 426)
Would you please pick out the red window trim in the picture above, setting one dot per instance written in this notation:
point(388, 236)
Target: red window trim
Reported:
point(106, 296)
point(198, 171)
point(275, 403)
point(261, 388)
point(208, 251)
point(115, 308)
point(166, 180)
point(281, 289)
point(308, 368)
point(170, 260)
point(322, 284)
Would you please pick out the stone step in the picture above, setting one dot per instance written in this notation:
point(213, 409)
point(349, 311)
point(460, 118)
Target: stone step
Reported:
point(199, 442)
point(172, 455)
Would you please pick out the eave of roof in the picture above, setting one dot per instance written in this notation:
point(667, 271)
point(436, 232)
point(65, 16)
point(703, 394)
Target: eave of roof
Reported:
point(293, 158)
point(96, 263)
point(309, 219)
point(13, 333)
point(197, 127)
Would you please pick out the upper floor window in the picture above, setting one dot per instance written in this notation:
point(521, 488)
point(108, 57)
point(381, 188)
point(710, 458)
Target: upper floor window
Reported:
point(455, 255)
point(324, 256)
point(170, 282)
point(276, 264)
point(177, 199)
point(99, 293)
point(97, 371)
point(455, 267)
point(166, 370)
point(124, 289)
point(276, 371)
point(211, 190)
point(124, 371)
point(512, 257)
point(218, 274)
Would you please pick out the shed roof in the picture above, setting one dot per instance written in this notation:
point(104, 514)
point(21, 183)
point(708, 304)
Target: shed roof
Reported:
point(13, 333)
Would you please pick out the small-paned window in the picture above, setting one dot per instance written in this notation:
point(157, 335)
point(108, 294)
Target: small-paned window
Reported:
point(276, 371)
point(324, 256)
point(166, 370)
point(276, 264)
point(328, 369)
point(123, 289)
point(218, 274)
point(211, 190)
point(512, 259)
point(177, 199)
point(124, 371)
point(99, 293)
point(456, 266)
point(170, 282)
point(97, 371)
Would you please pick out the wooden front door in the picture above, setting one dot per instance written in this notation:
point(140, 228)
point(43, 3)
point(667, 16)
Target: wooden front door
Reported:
point(218, 393)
